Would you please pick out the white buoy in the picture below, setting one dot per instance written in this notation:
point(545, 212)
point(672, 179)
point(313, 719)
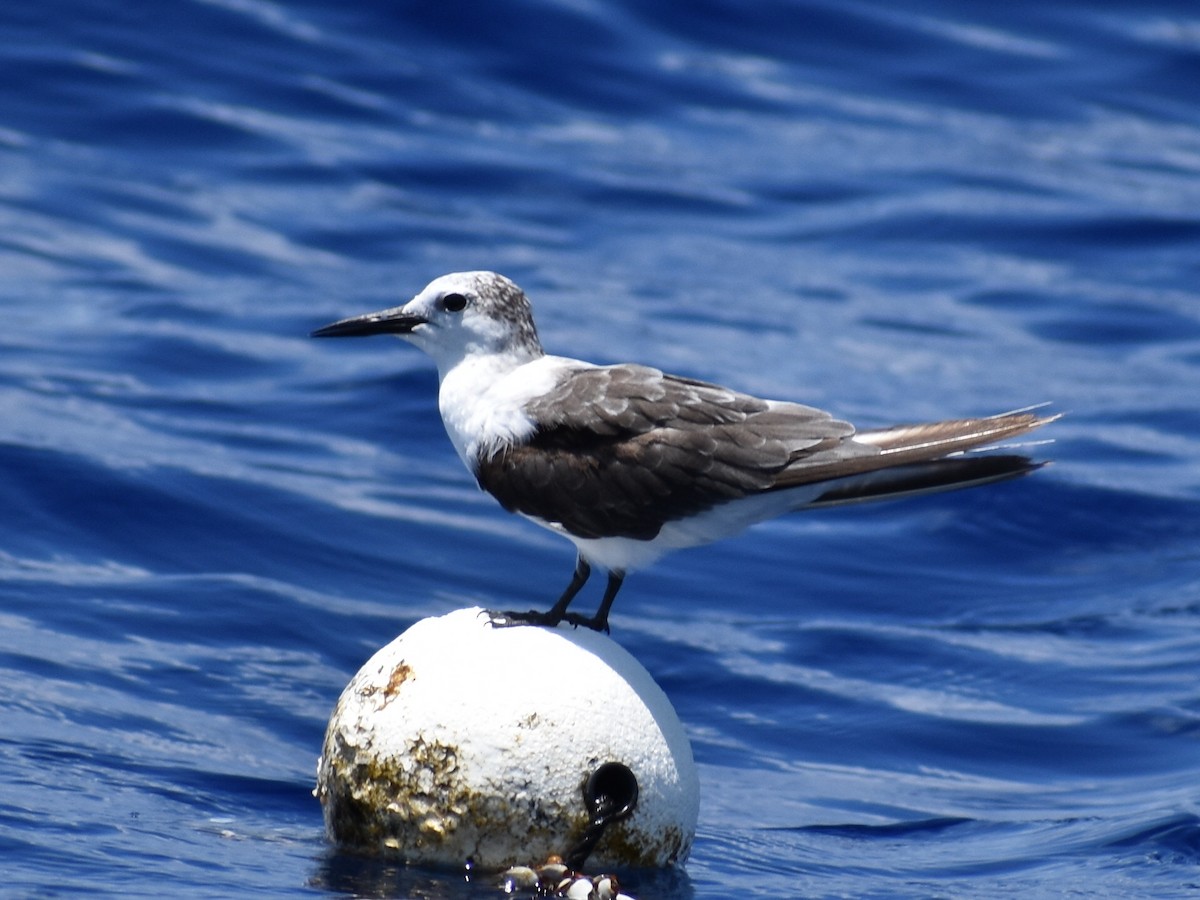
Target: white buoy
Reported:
point(463, 741)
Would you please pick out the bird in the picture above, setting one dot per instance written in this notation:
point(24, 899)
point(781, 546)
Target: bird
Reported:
point(630, 463)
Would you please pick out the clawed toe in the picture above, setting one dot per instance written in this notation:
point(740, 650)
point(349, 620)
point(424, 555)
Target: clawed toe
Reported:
point(512, 618)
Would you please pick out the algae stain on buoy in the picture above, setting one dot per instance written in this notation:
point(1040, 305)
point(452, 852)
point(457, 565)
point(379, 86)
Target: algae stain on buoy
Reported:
point(460, 740)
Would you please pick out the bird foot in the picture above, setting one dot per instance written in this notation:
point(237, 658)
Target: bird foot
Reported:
point(510, 618)
point(595, 623)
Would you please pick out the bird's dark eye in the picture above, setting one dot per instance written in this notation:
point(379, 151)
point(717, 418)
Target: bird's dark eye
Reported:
point(454, 302)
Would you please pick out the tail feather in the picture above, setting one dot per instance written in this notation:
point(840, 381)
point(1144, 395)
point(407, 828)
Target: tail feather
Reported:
point(941, 438)
point(918, 458)
point(925, 478)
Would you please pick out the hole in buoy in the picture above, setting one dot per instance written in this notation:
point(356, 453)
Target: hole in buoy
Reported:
point(610, 794)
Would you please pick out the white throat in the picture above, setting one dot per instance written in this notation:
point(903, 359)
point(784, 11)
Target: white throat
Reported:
point(482, 400)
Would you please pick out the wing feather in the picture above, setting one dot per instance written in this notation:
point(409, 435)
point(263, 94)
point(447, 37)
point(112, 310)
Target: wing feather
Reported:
point(621, 450)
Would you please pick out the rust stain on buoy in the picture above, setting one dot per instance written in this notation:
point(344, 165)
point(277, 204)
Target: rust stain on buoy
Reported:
point(400, 674)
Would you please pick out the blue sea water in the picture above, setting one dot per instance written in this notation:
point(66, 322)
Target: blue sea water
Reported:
point(894, 211)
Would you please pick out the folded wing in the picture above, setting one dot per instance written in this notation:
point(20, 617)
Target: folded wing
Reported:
point(621, 450)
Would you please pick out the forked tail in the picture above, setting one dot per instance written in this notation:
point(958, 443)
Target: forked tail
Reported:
point(931, 457)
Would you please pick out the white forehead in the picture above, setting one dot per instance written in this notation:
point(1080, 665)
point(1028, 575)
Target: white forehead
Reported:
point(476, 283)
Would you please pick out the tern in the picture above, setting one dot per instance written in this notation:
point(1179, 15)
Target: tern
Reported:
point(629, 463)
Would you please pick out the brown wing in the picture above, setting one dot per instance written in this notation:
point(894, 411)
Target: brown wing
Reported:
point(624, 449)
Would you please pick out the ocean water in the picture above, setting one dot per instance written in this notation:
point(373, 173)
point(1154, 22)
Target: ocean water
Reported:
point(893, 211)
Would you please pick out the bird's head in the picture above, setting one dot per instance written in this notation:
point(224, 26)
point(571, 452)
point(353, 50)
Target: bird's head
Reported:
point(456, 316)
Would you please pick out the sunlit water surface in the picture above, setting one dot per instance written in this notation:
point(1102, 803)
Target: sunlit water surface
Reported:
point(210, 521)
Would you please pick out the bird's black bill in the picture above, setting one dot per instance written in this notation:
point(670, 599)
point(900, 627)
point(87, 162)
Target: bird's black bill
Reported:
point(371, 323)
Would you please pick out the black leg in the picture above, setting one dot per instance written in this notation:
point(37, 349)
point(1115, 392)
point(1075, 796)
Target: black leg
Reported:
point(558, 611)
point(599, 622)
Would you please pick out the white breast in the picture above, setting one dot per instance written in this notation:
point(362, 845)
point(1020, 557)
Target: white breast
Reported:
point(482, 401)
